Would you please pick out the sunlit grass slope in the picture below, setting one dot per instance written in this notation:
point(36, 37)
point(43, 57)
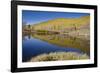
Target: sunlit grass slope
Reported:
point(62, 23)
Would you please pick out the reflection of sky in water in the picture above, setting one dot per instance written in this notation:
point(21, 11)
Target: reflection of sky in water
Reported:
point(33, 47)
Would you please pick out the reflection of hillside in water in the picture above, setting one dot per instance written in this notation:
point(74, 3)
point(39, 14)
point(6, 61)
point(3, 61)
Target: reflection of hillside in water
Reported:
point(64, 41)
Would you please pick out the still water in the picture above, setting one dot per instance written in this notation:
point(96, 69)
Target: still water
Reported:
point(36, 44)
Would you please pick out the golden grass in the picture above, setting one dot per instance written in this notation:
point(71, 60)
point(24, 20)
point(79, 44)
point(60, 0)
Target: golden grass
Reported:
point(62, 23)
point(59, 56)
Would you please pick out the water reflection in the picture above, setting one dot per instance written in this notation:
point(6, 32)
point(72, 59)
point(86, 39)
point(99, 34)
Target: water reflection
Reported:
point(65, 41)
point(60, 40)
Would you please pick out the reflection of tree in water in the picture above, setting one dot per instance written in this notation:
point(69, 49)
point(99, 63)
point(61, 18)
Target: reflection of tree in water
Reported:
point(63, 40)
point(26, 36)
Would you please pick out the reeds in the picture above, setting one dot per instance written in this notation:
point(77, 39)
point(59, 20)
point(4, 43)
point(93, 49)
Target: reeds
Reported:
point(59, 56)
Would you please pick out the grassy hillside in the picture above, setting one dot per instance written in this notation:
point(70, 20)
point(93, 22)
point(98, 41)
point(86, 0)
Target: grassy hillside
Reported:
point(63, 24)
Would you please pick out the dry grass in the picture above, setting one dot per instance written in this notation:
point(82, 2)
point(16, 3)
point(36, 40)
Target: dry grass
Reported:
point(60, 24)
point(59, 56)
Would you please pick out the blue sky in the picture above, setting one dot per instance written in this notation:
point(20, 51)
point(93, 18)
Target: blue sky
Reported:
point(34, 17)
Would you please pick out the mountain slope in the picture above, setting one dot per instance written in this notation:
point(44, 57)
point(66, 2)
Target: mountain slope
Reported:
point(61, 24)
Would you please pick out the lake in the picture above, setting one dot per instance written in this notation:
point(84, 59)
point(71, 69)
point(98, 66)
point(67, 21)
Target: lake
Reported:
point(36, 44)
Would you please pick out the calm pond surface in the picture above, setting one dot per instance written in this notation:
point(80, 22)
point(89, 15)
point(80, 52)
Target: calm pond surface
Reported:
point(36, 44)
